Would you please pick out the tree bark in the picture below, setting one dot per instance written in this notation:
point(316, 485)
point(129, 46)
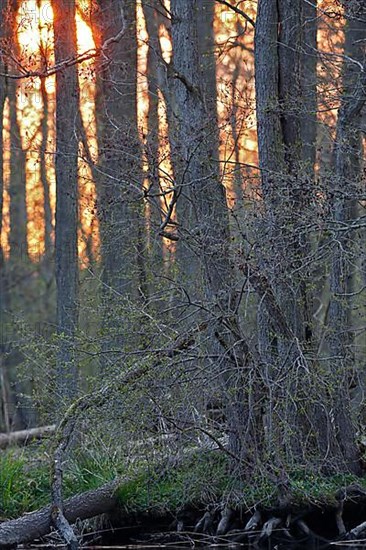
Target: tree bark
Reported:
point(66, 249)
point(17, 185)
point(309, 60)
point(23, 437)
point(120, 185)
point(38, 524)
point(204, 224)
point(347, 175)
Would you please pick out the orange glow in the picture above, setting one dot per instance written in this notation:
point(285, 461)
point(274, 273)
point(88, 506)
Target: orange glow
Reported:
point(235, 104)
point(6, 174)
point(35, 37)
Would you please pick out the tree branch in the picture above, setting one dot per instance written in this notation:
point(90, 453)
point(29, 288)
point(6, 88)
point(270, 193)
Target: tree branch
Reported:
point(238, 11)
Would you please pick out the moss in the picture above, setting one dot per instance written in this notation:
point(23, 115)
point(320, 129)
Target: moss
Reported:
point(194, 482)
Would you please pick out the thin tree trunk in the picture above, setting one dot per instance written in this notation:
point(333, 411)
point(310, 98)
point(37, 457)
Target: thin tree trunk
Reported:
point(67, 109)
point(309, 85)
point(3, 85)
point(153, 138)
point(17, 185)
point(48, 227)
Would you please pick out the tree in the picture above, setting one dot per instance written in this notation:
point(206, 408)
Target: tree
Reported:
point(204, 224)
point(348, 153)
point(17, 187)
point(66, 250)
point(287, 198)
point(120, 194)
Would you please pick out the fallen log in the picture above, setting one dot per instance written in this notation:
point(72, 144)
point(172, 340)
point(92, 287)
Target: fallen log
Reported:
point(38, 524)
point(25, 436)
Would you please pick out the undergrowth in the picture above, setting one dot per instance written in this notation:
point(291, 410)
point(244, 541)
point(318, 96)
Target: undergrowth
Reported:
point(195, 482)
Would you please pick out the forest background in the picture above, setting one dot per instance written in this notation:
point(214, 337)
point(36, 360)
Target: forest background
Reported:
point(183, 228)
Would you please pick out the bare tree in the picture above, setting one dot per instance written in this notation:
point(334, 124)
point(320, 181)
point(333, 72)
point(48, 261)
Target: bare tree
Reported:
point(17, 187)
point(348, 152)
point(66, 249)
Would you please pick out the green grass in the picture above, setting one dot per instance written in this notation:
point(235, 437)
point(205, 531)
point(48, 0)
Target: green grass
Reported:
point(195, 482)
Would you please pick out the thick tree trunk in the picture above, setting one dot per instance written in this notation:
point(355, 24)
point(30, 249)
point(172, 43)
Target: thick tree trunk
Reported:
point(120, 185)
point(67, 109)
point(120, 197)
point(204, 225)
point(38, 524)
point(348, 173)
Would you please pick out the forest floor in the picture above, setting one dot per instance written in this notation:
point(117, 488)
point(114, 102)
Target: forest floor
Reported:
point(194, 499)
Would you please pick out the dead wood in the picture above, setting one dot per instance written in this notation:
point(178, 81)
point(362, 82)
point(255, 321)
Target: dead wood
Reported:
point(24, 437)
point(269, 527)
point(254, 521)
point(38, 524)
point(356, 532)
point(224, 523)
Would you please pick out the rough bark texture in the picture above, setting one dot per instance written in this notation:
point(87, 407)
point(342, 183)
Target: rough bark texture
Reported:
point(67, 109)
point(308, 85)
point(347, 171)
point(203, 221)
point(38, 524)
point(17, 185)
point(287, 197)
point(201, 193)
point(120, 153)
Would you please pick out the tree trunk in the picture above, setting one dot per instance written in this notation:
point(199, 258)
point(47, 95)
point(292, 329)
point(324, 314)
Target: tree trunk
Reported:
point(48, 227)
point(3, 85)
point(38, 524)
point(120, 197)
point(287, 199)
point(67, 109)
point(347, 176)
point(153, 138)
point(308, 123)
point(17, 186)
point(120, 185)
point(204, 223)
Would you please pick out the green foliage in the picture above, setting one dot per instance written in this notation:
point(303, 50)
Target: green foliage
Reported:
point(194, 481)
point(318, 489)
point(24, 484)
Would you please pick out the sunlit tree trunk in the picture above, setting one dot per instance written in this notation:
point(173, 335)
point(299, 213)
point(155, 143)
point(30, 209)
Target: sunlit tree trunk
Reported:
point(67, 109)
point(155, 198)
point(3, 4)
point(17, 184)
point(120, 197)
point(48, 227)
point(3, 290)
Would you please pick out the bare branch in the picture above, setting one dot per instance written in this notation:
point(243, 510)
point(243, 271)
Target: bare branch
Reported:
point(238, 11)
